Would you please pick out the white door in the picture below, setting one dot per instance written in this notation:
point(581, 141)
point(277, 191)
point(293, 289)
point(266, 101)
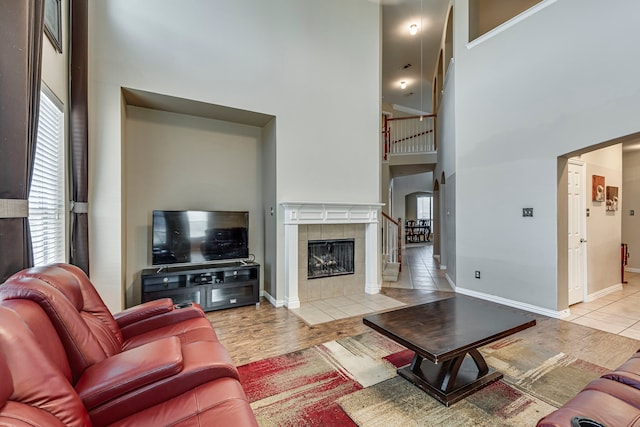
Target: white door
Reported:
point(577, 232)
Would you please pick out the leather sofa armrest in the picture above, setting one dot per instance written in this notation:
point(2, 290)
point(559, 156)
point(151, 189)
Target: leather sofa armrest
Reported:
point(129, 370)
point(153, 315)
point(143, 311)
point(172, 317)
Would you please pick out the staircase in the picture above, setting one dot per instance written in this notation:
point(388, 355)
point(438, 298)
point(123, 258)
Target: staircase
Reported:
point(409, 147)
point(391, 248)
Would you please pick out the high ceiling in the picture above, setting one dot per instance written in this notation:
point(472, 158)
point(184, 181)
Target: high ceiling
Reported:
point(399, 49)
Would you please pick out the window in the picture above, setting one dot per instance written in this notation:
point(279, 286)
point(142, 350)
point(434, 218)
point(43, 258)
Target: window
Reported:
point(47, 195)
point(425, 208)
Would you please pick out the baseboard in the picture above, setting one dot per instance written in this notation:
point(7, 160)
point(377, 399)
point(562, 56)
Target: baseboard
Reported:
point(632, 270)
point(451, 282)
point(372, 288)
point(594, 296)
point(274, 302)
point(515, 304)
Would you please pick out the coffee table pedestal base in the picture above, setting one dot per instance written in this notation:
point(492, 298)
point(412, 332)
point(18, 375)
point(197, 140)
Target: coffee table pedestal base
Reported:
point(450, 381)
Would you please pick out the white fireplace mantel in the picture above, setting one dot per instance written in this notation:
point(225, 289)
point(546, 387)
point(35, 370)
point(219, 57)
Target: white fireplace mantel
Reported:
point(330, 212)
point(301, 213)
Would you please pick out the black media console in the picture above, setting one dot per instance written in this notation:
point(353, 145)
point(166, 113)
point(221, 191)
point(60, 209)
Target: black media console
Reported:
point(213, 286)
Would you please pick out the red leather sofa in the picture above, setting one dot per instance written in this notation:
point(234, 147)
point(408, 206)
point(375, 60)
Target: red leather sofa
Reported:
point(612, 401)
point(68, 358)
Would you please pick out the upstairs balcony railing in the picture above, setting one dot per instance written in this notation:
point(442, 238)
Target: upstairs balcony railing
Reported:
point(409, 135)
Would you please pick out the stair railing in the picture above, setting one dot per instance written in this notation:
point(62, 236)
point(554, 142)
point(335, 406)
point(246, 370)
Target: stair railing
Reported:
point(409, 135)
point(392, 239)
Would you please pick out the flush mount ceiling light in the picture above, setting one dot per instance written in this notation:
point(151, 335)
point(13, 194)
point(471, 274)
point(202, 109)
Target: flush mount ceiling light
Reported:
point(403, 85)
point(413, 29)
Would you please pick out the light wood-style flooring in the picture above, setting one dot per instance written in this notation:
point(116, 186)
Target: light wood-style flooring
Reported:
point(254, 333)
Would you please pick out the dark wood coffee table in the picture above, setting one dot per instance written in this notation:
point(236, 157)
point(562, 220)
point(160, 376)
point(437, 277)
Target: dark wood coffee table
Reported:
point(445, 336)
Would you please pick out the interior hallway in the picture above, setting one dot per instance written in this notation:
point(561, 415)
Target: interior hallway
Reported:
point(420, 270)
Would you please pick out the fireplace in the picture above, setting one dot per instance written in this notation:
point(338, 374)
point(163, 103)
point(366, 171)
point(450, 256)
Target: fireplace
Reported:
point(327, 258)
point(323, 221)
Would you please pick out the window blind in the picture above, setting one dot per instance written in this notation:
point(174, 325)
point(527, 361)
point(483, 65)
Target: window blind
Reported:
point(46, 197)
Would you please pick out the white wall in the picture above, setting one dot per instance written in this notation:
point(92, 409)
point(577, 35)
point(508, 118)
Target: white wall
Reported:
point(314, 64)
point(164, 174)
point(546, 86)
point(604, 229)
point(631, 201)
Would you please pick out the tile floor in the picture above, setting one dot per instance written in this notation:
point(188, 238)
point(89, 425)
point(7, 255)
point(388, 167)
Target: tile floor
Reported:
point(419, 271)
point(617, 312)
point(329, 309)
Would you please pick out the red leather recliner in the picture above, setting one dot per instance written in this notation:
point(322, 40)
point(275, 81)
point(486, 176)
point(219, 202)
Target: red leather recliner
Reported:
point(181, 354)
point(36, 389)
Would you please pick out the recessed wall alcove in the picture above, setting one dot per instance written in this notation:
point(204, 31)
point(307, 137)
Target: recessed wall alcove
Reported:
point(185, 154)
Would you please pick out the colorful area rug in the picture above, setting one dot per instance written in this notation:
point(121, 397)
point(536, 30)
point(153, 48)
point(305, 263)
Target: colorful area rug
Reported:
point(353, 381)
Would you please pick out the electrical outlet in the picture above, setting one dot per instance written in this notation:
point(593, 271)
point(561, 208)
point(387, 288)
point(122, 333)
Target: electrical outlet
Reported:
point(477, 274)
point(527, 211)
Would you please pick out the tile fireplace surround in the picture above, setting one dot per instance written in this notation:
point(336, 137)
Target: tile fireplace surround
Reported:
point(307, 213)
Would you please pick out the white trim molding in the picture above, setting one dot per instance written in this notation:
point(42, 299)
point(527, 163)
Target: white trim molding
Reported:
point(301, 213)
point(594, 296)
point(274, 302)
point(451, 282)
point(330, 212)
point(515, 304)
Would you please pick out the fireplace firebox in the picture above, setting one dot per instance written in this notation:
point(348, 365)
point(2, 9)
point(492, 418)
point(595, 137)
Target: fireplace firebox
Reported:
point(329, 258)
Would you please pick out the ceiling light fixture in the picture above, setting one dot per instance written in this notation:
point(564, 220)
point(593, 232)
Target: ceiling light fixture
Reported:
point(413, 29)
point(403, 85)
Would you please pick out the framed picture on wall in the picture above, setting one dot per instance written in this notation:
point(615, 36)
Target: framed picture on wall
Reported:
point(53, 22)
point(597, 188)
point(612, 198)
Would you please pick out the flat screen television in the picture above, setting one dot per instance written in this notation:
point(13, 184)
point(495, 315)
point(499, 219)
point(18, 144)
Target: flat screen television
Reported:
point(186, 237)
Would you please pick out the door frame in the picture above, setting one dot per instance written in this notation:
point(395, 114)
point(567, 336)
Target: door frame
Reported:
point(583, 225)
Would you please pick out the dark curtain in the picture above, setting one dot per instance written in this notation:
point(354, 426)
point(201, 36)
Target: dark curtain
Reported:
point(79, 136)
point(20, 64)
